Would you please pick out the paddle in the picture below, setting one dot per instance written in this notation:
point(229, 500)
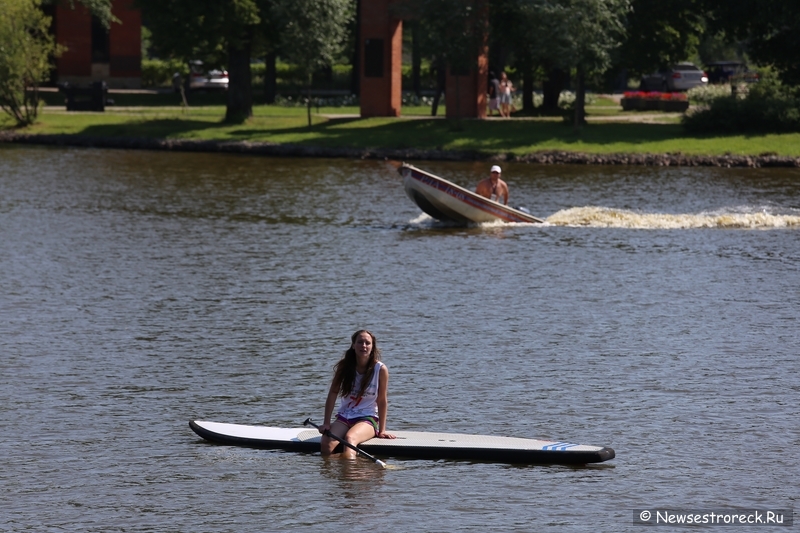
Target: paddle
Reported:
point(356, 448)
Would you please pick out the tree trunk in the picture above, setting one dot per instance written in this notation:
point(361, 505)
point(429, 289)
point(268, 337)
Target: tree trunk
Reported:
point(308, 99)
point(527, 91)
point(240, 90)
point(498, 54)
point(458, 103)
point(441, 82)
point(270, 78)
point(580, 99)
point(416, 59)
point(551, 90)
point(355, 76)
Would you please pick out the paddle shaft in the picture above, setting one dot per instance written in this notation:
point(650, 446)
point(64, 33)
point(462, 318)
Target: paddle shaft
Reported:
point(356, 448)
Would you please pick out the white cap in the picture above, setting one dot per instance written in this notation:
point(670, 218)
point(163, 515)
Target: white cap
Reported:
point(496, 168)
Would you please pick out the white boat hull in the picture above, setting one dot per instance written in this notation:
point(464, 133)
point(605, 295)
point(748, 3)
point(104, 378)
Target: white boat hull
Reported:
point(444, 200)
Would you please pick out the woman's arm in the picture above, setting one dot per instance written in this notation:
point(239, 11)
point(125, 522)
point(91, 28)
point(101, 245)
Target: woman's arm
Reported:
point(383, 402)
point(330, 403)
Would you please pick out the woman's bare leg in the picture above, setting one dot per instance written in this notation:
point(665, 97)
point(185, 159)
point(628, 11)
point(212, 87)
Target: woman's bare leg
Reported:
point(327, 444)
point(362, 431)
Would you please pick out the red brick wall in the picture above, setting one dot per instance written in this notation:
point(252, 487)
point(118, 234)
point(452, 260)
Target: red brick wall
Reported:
point(381, 96)
point(73, 29)
point(469, 99)
point(125, 40)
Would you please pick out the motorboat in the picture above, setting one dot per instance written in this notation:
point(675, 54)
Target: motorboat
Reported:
point(446, 201)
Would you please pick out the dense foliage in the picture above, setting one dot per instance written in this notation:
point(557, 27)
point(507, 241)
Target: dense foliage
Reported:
point(560, 36)
point(660, 34)
point(770, 30)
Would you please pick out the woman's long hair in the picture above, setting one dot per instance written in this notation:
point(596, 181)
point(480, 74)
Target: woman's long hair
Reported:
point(344, 373)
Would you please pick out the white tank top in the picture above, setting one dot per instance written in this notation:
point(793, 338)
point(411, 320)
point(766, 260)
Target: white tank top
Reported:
point(367, 405)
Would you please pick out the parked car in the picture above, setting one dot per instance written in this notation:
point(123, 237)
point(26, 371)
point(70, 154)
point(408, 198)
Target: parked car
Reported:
point(723, 71)
point(202, 79)
point(680, 77)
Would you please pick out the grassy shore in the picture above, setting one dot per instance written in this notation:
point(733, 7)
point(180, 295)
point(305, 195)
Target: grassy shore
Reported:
point(609, 130)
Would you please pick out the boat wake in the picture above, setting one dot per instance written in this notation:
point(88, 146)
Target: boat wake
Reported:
point(605, 217)
point(428, 222)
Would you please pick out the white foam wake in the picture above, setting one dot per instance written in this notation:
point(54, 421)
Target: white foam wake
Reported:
point(605, 217)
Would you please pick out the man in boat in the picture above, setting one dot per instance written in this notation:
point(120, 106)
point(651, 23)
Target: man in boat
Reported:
point(493, 187)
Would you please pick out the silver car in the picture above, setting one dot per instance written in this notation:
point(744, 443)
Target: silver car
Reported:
point(680, 77)
point(200, 79)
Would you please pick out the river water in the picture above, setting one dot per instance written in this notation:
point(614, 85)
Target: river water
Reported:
point(655, 312)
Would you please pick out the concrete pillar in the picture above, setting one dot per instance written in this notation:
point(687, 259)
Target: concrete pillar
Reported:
point(381, 45)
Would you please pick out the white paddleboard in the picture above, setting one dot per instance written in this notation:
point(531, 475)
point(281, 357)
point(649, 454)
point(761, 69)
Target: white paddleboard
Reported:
point(412, 444)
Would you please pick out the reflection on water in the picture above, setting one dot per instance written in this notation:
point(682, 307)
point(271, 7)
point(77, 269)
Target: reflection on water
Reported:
point(338, 468)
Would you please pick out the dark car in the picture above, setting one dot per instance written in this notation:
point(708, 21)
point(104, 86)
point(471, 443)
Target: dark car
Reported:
point(680, 77)
point(723, 71)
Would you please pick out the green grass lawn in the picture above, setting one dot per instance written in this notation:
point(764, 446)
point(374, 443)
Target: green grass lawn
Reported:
point(165, 118)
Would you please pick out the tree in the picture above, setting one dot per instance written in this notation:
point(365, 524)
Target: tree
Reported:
point(519, 26)
point(660, 34)
point(231, 32)
point(26, 50)
point(217, 32)
point(596, 28)
point(451, 33)
point(99, 8)
point(313, 34)
point(770, 30)
point(561, 35)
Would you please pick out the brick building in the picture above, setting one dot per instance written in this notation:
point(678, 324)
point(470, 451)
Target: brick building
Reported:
point(113, 55)
point(381, 43)
point(95, 53)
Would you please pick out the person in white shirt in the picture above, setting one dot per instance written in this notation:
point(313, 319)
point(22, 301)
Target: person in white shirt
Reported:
point(362, 381)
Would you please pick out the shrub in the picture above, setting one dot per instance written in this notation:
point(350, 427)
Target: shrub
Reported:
point(290, 80)
point(769, 106)
point(302, 101)
point(566, 100)
point(159, 72)
point(705, 94)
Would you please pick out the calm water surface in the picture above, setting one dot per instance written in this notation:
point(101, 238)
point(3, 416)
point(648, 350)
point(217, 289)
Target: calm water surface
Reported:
point(656, 312)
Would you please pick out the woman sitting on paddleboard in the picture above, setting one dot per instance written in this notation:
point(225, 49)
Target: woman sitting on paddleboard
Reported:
point(362, 381)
